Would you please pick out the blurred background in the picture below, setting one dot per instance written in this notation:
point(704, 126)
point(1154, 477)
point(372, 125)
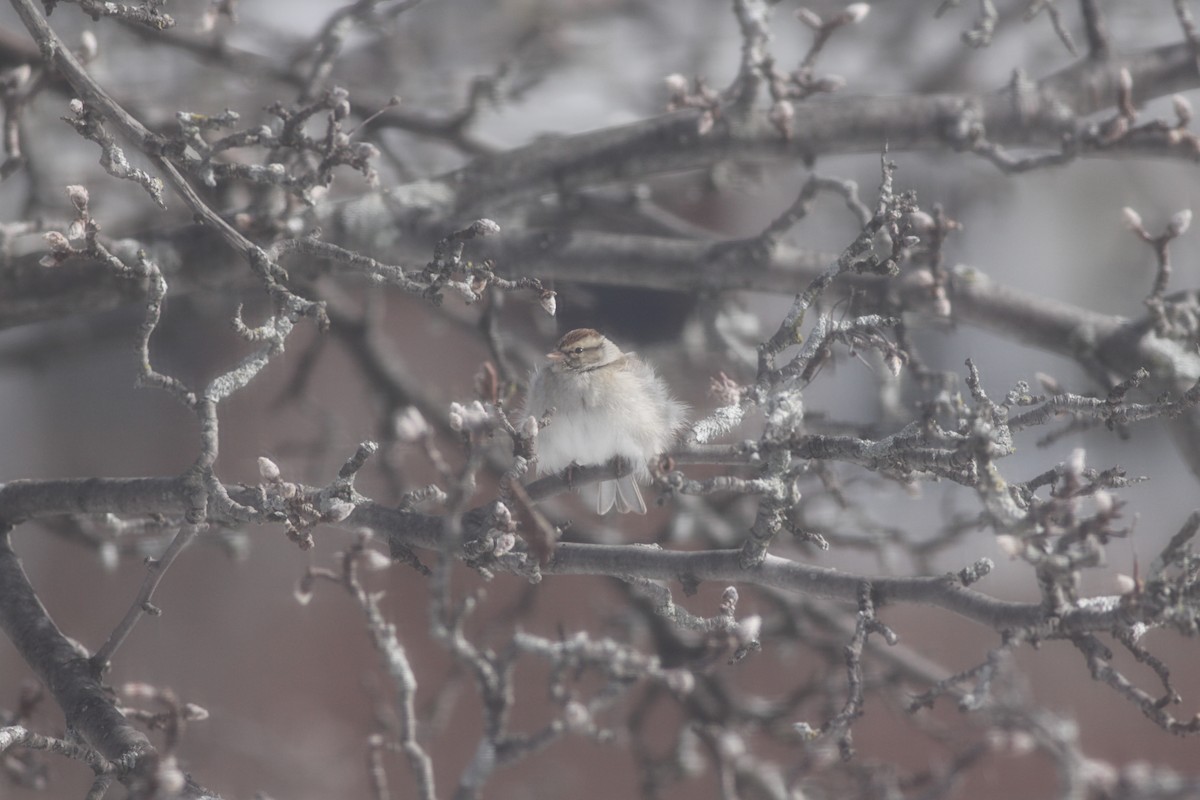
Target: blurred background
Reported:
point(294, 690)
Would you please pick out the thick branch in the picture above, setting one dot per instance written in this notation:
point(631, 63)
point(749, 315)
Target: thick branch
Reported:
point(1041, 115)
point(63, 668)
point(30, 499)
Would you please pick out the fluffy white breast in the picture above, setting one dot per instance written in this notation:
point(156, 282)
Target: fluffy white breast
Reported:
point(624, 409)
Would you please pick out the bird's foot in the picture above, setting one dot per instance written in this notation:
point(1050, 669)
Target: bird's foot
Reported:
point(620, 466)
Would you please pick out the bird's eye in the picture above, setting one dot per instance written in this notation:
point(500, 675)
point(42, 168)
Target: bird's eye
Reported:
point(578, 350)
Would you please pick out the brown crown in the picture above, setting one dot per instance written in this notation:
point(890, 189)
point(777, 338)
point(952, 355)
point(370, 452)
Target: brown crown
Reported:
point(576, 336)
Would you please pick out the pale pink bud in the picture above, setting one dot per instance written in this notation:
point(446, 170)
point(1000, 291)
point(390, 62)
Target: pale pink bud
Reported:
point(921, 222)
point(680, 681)
point(455, 416)
point(576, 717)
point(529, 427)
point(1180, 222)
point(17, 77)
point(1183, 109)
point(88, 46)
point(941, 303)
point(377, 561)
point(856, 12)
point(485, 227)
point(829, 83)
point(194, 713)
point(922, 278)
point(503, 543)
point(781, 115)
point(338, 510)
point(676, 84)
point(409, 425)
point(809, 18)
point(748, 629)
point(169, 780)
point(1076, 462)
point(805, 731)
point(472, 417)
point(731, 745)
point(303, 592)
point(1009, 545)
point(138, 690)
point(1049, 383)
point(1131, 218)
point(58, 243)
point(1125, 80)
point(549, 302)
point(78, 197)
point(110, 557)
point(268, 470)
point(1022, 743)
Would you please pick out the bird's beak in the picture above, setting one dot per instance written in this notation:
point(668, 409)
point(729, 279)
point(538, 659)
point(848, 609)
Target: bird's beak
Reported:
point(555, 355)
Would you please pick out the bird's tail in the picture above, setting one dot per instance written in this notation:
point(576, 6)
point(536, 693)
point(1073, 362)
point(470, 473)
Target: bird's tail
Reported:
point(621, 493)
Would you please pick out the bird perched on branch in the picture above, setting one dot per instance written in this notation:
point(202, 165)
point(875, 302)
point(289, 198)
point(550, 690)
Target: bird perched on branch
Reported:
point(606, 404)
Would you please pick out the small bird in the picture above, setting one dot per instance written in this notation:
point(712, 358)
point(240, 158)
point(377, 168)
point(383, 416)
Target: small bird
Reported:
point(606, 404)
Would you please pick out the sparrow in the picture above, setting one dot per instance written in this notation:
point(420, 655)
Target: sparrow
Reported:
point(605, 403)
